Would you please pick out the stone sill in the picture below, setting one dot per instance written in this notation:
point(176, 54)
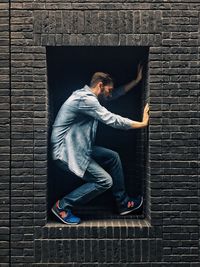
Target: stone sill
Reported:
point(98, 229)
point(105, 223)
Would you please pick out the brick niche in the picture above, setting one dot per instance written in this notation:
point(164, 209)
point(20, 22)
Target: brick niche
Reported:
point(168, 235)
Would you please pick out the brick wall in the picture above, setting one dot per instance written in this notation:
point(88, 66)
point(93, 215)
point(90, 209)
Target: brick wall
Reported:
point(169, 236)
point(5, 133)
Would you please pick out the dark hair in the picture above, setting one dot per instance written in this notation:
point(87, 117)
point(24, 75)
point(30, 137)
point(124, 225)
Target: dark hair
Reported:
point(105, 78)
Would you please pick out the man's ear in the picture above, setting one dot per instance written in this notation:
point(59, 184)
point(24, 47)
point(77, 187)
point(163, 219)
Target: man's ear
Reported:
point(101, 86)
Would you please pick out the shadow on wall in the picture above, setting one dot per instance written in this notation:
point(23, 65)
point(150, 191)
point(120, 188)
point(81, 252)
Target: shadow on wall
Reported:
point(70, 68)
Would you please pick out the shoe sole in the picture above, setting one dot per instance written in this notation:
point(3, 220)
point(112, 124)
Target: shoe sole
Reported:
point(61, 218)
point(128, 211)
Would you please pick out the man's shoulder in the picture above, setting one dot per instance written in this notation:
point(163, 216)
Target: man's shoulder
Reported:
point(82, 95)
point(83, 92)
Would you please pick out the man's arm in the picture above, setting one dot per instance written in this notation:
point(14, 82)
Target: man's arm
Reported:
point(133, 83)
point(123, 89)
point(92, 107)
point(117, 92)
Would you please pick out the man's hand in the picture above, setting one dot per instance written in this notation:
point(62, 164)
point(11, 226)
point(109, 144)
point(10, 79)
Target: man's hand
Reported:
point(146, 114)
point(145, 119)
point(133, 83)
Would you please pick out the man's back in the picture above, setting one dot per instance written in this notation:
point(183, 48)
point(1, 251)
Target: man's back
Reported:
point(73, 132)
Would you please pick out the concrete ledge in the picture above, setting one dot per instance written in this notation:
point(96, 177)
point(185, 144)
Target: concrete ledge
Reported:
point(104, 223)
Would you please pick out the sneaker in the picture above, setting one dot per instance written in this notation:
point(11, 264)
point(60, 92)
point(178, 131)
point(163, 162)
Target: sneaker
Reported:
point(131, 204)
point(65, 216)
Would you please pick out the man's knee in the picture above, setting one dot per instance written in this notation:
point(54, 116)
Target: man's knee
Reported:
point(109, 182)
point(106, 182)
point(115, 156)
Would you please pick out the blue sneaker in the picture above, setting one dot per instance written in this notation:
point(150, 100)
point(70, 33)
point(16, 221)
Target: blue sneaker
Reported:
point(65, 216)
point(131, 205)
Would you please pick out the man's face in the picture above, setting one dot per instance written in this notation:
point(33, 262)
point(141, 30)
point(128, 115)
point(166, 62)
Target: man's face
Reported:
point(106, 90)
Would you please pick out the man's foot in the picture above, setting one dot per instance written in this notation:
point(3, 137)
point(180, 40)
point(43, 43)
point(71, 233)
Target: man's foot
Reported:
point(65, 216)
point(131, 205)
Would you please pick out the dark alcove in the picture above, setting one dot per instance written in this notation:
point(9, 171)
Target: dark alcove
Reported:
point(70, 68)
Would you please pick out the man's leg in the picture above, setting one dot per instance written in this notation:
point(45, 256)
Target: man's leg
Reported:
point(97, 181)
point(110, 160)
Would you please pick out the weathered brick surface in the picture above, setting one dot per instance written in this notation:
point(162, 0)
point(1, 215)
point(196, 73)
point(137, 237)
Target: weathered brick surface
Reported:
point(5, 133)
point(171, 30)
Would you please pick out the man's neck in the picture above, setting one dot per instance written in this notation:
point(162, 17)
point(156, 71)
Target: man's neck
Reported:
point(95, 90)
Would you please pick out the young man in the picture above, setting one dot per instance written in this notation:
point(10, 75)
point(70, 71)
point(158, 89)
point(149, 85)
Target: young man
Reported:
point(73, 148)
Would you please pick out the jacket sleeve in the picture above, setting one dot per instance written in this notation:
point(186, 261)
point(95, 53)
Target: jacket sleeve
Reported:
point(92, 107)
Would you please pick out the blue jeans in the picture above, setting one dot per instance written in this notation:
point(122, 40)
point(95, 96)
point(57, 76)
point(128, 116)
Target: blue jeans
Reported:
point(98, 179)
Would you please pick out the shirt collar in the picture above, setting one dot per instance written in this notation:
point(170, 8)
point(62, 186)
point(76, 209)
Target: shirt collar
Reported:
point(88, 88)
